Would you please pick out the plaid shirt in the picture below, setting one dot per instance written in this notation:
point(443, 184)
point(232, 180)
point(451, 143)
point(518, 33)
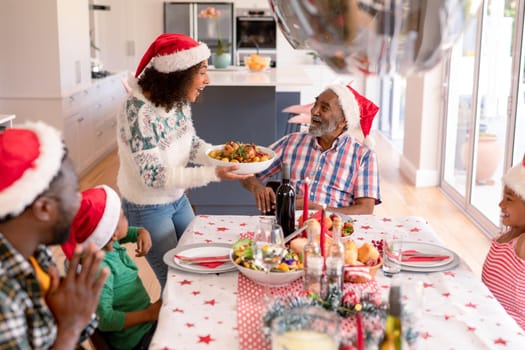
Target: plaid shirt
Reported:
point(25, 320)
point(337, 176)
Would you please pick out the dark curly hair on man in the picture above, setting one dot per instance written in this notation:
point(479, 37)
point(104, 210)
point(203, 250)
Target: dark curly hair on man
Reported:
point(167, 89)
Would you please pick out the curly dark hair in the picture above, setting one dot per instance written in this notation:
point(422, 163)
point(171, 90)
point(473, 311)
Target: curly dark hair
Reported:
point(167, 89)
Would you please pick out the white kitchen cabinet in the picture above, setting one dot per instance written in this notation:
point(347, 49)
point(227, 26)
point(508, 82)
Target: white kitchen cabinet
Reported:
point(87, 118)
point(78, 136)
point(90, 120)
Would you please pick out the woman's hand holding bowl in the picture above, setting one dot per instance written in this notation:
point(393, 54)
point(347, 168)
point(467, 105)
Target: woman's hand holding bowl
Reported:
point(229, 173)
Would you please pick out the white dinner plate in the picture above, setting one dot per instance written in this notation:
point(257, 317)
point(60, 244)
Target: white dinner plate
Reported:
point(430, 266)
point(198, 250)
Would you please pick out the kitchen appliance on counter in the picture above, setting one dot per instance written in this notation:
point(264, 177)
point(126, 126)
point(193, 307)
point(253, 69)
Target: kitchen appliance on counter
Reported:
point(256, 31)
point(183, 17)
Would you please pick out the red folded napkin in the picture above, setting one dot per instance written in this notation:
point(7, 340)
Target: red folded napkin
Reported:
point(211, 265)
point(424, 258)
point(206, 261)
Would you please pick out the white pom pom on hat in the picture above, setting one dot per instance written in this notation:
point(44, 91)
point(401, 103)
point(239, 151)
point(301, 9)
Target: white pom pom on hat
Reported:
point(515, 179)
point(357, 109)
point(172, 52)
point(31, 155)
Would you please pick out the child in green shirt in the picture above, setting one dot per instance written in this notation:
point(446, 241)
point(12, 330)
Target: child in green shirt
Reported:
point(125, 313)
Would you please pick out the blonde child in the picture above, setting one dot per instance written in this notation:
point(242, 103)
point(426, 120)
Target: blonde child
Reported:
point(125, 313)
point(504, 267)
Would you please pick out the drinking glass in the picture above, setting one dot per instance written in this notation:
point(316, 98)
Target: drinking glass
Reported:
point(392, 253)
point(309, 328)
point(269, 247)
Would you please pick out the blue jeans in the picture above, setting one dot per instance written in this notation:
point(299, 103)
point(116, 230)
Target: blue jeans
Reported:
point(165, 223)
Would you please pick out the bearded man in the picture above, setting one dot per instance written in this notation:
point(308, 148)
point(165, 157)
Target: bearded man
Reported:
point(38, 200)
point(342, 171)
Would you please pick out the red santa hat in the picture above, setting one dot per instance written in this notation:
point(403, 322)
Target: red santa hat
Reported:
point(173, 52)
point(96, 220)
point(357, 109)
point(30, 157)
point(515, 179)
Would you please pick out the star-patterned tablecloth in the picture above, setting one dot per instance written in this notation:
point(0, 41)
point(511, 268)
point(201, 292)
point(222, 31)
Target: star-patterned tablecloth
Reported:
point(456, 310)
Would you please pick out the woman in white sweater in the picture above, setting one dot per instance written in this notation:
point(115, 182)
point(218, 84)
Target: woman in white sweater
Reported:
point(160, 154)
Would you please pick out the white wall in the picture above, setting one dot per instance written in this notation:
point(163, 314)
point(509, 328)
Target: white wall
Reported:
point(420, 161)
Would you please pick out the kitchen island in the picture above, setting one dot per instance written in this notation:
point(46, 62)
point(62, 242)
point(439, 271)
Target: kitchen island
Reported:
point(244, 106)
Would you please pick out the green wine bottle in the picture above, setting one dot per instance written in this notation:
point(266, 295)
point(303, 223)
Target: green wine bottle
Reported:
point(393, 337)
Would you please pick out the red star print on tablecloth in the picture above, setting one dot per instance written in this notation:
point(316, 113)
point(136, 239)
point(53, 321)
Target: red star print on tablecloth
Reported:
point(190, 325)
point(471, 305)
point(449, 273)
point(198, 233)
point(184, 282)
point(366, 227)
point(387, 219)
point(222, 229)
point(210, 302)
point(196, 292)
point(500, 341)
point(208, 241)
point(415, 229)
point(428, 285)
point(205, 339)
point(425, 335)
point(447, 317)
point(243, 224)
point(446, 295)
point(471, 329)
point(177, 310)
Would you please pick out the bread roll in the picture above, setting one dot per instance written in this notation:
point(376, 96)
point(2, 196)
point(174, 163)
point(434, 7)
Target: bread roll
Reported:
point(297, 245)
point(350, 253)
point(367, 252)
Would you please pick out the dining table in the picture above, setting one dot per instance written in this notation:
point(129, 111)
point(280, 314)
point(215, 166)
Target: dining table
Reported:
point(221, 309)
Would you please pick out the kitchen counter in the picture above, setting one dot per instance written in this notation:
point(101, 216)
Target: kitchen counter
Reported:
point(284, 79)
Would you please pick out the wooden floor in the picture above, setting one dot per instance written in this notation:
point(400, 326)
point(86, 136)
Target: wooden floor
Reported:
point(399, 199)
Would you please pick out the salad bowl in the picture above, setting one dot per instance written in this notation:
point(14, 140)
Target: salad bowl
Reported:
point(289, 270)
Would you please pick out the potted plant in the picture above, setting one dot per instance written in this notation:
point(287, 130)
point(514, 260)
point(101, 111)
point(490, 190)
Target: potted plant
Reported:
point(221, 57)
point(488, 156)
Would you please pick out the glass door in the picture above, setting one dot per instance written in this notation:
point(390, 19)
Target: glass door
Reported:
point(494, 93)
point(481, 120)
point(461, 73)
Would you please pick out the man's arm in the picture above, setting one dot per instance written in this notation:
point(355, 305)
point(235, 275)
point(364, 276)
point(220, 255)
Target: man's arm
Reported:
point(363, 206)
point(264, 196)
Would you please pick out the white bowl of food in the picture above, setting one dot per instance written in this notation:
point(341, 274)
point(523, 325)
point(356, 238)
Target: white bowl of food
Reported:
point(250, 158)
point(285, 273)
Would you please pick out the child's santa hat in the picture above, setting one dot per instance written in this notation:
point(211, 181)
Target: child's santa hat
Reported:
point(96, 220)
point(515, 179)
point(30, 157)
point(357, 109)
point(173, 52)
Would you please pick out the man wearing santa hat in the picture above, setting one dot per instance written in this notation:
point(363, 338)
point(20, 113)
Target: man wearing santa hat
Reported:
point(38, 200)
point(158, 145)
point(342, 171)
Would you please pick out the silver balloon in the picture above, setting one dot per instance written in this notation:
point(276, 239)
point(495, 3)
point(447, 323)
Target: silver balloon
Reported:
point(375, 36)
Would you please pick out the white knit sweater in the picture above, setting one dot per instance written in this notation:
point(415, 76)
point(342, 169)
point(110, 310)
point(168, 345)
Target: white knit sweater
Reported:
point(156, 149)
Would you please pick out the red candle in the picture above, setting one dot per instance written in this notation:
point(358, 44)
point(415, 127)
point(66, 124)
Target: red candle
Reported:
point(305, 200)
point(360, 332)
point(322, 238)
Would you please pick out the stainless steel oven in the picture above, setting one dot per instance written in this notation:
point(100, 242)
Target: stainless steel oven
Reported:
point(255, 30)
